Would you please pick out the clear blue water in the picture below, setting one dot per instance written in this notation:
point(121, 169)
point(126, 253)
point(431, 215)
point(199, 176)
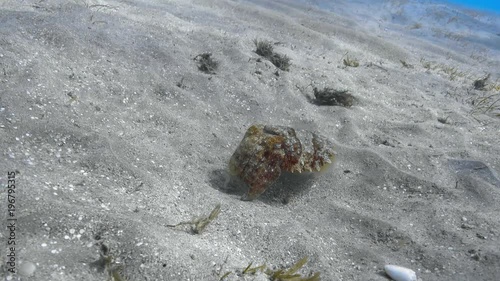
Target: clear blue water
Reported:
point(489, 5)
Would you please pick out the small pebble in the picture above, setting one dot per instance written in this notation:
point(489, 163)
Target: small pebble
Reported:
point(467, 226)
point(27, 269)
point(480, 236)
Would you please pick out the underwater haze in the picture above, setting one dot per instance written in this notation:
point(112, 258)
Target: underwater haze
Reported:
point(493, 6)
point(459, 25)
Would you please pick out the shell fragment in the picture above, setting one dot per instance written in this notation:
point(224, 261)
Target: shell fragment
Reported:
point(399, 273)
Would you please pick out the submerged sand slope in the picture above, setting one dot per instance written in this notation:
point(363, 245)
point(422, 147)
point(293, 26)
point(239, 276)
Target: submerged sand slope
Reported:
point(116, 134)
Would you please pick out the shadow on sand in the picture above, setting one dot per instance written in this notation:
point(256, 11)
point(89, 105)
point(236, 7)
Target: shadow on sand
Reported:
point(281, 192)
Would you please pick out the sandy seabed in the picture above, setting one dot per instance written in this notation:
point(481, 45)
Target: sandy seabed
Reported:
point(114, 134)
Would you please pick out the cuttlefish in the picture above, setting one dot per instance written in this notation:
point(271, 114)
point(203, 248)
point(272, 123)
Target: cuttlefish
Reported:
point(267, 151)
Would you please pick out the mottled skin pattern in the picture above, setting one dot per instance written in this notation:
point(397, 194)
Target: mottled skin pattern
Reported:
point(266, 151)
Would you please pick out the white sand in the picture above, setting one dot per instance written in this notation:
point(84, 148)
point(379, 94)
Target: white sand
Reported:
point(107, 145)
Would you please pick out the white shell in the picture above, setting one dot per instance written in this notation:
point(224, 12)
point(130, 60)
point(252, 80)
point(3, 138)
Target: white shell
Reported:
point(399, 273)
